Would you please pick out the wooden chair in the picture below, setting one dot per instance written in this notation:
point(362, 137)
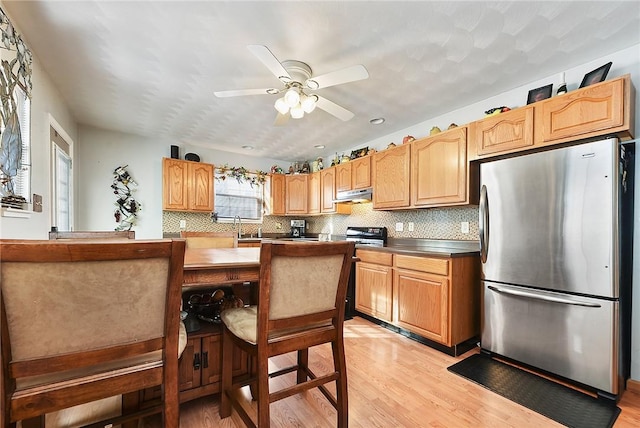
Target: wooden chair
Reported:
point(108, 234)
point(300, 305)
point(210, 239)
point(84, 320)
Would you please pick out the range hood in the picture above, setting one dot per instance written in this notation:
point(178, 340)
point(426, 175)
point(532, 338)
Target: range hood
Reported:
point(360, 195)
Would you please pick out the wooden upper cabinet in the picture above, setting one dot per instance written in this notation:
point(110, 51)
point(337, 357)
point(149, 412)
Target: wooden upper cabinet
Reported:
point(201, 186)
point(390, 174)
point(278, 195)
point(296, 189)
point(343, 176)
point(361, 173)
point(187, 186)
point(591, 111)
point(504, 133)
point(328, 190)
point(314, 194)
point(439, 174)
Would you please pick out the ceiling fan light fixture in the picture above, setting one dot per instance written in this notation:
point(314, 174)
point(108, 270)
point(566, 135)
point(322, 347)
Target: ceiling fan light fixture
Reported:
point(308, 103)
point(312, 84)
point(292, 97)
point(297, 112)
point(282, 106)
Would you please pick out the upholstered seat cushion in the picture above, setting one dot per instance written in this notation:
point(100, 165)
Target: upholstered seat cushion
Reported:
point(242, 322)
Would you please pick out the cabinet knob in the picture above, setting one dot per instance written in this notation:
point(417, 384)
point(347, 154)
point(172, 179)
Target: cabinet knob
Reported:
point(196, 362)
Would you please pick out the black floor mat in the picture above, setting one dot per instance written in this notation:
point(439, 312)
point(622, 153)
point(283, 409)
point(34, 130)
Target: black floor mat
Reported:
point(560, 403)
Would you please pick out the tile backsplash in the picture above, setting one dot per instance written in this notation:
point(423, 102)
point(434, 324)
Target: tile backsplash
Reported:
point(431, 223)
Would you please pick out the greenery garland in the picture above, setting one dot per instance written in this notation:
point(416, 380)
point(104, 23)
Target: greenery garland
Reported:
point(241, 174)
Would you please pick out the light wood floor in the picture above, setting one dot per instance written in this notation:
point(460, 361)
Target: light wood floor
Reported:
point(393, 382)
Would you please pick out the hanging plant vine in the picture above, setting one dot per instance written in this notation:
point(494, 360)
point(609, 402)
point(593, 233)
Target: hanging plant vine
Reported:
point(127, 208)
point(241, 174)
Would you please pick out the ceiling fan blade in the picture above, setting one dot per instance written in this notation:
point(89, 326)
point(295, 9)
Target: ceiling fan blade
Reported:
point(281, 119)
point(240, 92)
point(349, 74)
point(334, 109)
point(269, 59)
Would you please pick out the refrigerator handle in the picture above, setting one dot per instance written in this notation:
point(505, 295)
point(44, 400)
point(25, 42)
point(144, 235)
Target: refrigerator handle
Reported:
point(543, 297)
point(483, 224)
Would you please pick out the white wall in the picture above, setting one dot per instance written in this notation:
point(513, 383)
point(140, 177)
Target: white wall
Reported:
point(103, 151)
point(46, 103)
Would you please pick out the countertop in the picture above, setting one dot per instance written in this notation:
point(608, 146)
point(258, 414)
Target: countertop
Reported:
point(430, 247)
point(408, 246)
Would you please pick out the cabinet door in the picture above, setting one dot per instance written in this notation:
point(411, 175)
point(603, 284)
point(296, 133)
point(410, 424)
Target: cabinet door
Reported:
point(328, 192)
point(278, 201)
point(174, 185)
point(504, 133)
point(190, 365)
point(439, 169)
point(361, 173)
point(211, 356)
point(374, 290)
point(343, 176)
point(586, 111)
point(422, 304)
point(200, 187)
point(296, 191)
point(391, 177)
point(313, 204)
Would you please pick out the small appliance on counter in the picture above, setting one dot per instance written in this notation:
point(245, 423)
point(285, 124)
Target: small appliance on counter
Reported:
point(298, 228)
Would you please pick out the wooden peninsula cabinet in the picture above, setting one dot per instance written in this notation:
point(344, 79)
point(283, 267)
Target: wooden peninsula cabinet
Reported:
point(436, 298)
point(200, 366)
point(187, 186)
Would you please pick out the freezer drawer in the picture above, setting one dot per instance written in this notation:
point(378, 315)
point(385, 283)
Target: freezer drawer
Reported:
point(574, 337)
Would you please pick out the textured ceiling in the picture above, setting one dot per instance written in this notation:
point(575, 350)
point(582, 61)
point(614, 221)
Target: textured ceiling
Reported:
point(151, 67)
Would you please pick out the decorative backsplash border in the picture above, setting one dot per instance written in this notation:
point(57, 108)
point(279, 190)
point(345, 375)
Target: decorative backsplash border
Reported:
point(432, 223)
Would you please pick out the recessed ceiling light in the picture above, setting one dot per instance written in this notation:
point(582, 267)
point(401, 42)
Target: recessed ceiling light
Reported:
point(247, 147)
point(377, 121)
point(319, 146)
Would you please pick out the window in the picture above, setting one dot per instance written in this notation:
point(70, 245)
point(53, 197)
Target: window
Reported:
point(238, 198)
point(21, 182)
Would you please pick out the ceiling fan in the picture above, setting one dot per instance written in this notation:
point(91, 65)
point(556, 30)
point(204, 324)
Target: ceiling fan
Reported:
point(298, 81)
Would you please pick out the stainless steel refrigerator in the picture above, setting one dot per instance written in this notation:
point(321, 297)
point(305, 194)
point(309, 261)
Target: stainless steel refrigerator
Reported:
point(555, 236)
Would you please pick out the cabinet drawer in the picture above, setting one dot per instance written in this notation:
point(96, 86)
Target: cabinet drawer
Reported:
point(423, 264)
point(376, 257)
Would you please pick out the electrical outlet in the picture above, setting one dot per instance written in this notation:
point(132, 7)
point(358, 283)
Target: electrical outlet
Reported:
point(464, 227)
point(399, 227)
point(183, 224)
point(278, 225)
point(411, 226)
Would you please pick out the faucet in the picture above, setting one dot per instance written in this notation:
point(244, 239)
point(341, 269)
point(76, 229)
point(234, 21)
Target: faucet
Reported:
point(239, 225)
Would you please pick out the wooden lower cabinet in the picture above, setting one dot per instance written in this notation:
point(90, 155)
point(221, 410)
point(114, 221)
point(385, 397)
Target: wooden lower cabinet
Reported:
point(200, 368)
point(421, 304)
point(437, 298)
point(374, 290)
